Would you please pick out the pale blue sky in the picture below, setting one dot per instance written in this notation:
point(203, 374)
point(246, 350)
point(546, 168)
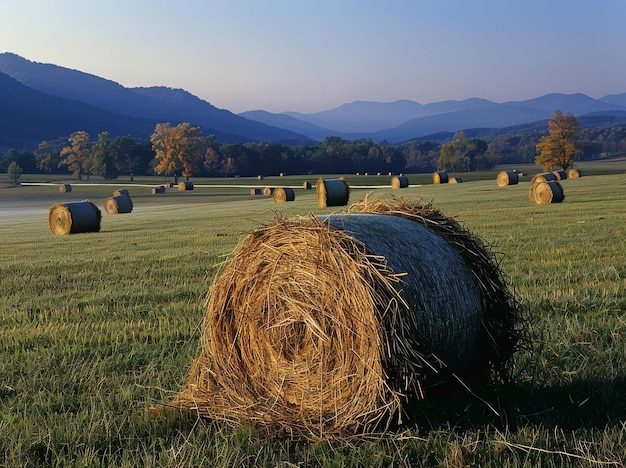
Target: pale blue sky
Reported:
point(311, 55)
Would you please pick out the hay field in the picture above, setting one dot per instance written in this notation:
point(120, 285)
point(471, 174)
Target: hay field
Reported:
point(98, 327)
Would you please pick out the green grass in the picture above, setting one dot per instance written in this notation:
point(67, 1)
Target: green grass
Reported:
point(94, 328)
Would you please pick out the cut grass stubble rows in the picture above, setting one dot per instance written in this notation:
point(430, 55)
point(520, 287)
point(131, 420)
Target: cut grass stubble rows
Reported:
point(95, 328)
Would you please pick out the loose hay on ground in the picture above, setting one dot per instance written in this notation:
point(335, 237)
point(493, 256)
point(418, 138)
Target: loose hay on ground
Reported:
point(327, 327)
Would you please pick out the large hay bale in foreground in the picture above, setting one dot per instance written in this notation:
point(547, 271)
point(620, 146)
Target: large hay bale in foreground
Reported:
point(399, 182)
point(440, 177)
point(64, 188)
point(284, 194)
point(74, 218)
point(332, 192)
point(546, 192)
point(185, 186)
point(507, 178)
point(327, 327)
point(118, 205)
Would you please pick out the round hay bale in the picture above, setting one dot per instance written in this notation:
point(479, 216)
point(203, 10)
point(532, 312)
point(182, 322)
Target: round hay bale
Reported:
point(64, 188)
point(74, 218)
point(573, 174)
point(267, 191)
point(256, 191)
point(121, 192)
point(332, 192)
point(507, 178)
point(284, 194)
point(440, 177)
point(185, 186)
point(259, 177)
point(560, 175)
point(306, 185)
point(543, 177)
point(324, 327)
point(455, 180)
point(158, 189)
point(546, 192)
point(399, 182)
point(118, 205)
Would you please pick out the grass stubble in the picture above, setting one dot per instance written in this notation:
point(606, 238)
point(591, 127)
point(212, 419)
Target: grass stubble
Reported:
point(95, 328)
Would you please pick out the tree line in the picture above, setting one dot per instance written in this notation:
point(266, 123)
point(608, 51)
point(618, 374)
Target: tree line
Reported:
point(183, 150)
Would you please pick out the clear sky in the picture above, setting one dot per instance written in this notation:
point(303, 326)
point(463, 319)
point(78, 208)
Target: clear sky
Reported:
point(312, 55)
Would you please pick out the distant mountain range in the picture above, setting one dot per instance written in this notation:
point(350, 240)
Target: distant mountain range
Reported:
point(44, 101)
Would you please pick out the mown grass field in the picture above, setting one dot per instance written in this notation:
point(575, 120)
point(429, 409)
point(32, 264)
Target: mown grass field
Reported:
point(95, 328)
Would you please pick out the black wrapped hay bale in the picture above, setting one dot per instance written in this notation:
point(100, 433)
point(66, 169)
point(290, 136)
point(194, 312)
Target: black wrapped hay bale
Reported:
point(65, 188)
point(118, 204)
point(332, 192)
point(440, 177)
point(327, 326)
point(74, 218)
point(399, 182)
point(542, 193)
point(185, 186)
point(507, 178)
point(284, 194)
point(158, 189)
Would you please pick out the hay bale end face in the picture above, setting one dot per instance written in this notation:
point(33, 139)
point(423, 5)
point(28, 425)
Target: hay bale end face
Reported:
point(284, 194)
point(74, 218)
point(573, 174)
point(455, 180)
point(542, 193)
point(325, 327)
point(440, 177)
point(118, 205)
point(64, 188)
point(306, 185)
point(399, 182)
point(332, 192)
point(507, 178)
point(185, 186)
point(268, 191)
point(256, 191)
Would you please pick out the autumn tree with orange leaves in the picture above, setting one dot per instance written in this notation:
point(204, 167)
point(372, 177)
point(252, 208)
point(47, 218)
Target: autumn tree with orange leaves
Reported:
point(178, 149)
point(558, 147)
point(77, 156)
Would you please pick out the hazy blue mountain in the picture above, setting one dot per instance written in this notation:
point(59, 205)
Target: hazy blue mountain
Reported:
point(30, 117)
point(288, 122)
point(159, 104)
point(576, 104)
point(615, 99)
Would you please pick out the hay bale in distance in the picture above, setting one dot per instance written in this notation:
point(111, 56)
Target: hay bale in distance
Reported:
point(185, 186)
point(455, 180)
point(158, 189)
point(64, 188)
point(560, 175)
point(573, 173)
point(259, 177)
point(323, 327)
point(256, 191)
point(507, 178)
point(306, 185)
point(440, 177)
point(267, 191)
point(546, 192)
point(399, 182)
point(74, 218)
point(118, 204)
point(121, 192)
point(332, 192)
point(543, 177)
point(284, 194)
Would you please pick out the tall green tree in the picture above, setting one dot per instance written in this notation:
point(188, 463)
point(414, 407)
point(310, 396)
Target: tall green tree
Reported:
point(14, 171)
point(77, 156)
point(558, 147)
point(104, 157)
point(455, 155)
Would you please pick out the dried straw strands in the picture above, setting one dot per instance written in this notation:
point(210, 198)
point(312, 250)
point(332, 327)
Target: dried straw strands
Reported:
point(332, 192)
point(546, 192)
point(74, 218)
point(398, 182)
point(284, 194)
point(118, 204)
point(320, 328)
point(507, 178)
